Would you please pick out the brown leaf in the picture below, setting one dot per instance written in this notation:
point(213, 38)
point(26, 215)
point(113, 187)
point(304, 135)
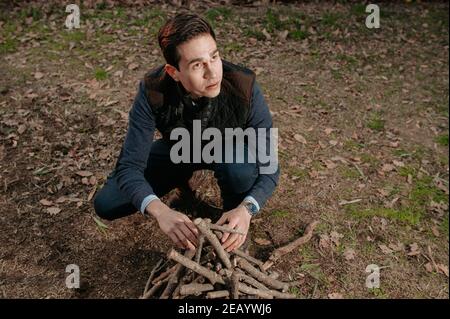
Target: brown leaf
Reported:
point(324, 241)
point(349, 254)
point(429, 267)
point(388, 168)
point(335, 237)
point(21, 129)
point(84, 173)
point(414, 249)
point(262, 241)
point(38, 75)
point(300, 138)
point(329, 130)
point(53, 210)
point(46, 202)
point(442, 269)
point(133, 66)
point(399, 163)
point(385, 249)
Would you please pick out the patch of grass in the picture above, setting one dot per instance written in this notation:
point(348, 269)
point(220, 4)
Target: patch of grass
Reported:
point(331, 19)
point(280, 213)
point(410, 216)
point(33, 12)
point(273, 22)
point(298, 34)
point(378, 293)
point(232, 47)
point(9, 45)
point(407, 170)
point(424, 191)
point(74, 36)
point(100, 74)
point(358, 9)
point(444, 226)
point(349, 172)
point(369, 159)
point(314, 271)
point(302, 174)
point(442, 140)
point(351, 145)
point(376, 122)
point(253, 33)
point(347, 58)
point(213, 14)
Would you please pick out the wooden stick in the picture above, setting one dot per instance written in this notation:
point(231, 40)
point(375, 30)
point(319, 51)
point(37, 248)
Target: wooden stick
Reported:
point(195, 289)
point(210, 275)
point(252, 291)
point(204, 229)
point(235, 285)
point(252, 281)
point(198, 252)
point(154, 289)
point(279, 252)
point(245, 265)
point(164, 274)
point(225, 229)
point(176, 275)
point(240, 253)
point(152, 274)
point(217, 294)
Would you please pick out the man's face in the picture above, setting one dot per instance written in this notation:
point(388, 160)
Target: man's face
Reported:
point(200, 67)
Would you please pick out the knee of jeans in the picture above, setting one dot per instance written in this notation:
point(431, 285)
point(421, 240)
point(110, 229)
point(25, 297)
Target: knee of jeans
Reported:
point(239, 177)
point(101, 207)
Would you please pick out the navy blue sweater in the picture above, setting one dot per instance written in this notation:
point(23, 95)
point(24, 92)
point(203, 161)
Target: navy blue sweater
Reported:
point(135, 150)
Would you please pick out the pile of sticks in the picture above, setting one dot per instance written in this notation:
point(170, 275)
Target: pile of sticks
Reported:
point(211, 272)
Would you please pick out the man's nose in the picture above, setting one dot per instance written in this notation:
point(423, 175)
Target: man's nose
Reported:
point(210, 73)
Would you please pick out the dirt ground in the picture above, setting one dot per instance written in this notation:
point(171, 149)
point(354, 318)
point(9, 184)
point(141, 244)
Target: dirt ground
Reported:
point(363, 125)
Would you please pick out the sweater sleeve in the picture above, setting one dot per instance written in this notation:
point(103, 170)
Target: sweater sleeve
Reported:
point(260, 118)
point(135, 151)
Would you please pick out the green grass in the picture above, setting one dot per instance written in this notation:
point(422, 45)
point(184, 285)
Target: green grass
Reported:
point(442, 140)
point(331, 19)
point(404, 215)
point(349, 173)
point(376, 122)
point(213, 14)
point(100, 74)
point(8, 46)
point(253, 33)
point(407, 170)
point(280, 213)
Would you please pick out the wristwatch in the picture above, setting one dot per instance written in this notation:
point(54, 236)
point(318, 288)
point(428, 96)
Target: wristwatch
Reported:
point(251, 208)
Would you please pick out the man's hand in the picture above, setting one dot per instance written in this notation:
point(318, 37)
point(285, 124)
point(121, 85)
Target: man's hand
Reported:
point(174, 224)
point(238, 219)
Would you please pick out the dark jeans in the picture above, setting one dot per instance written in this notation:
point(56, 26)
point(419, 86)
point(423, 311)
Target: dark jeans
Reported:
point(234, 180)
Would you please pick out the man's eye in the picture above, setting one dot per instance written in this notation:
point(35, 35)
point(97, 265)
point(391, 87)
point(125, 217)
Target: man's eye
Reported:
point(196, 66)
point(215, 57)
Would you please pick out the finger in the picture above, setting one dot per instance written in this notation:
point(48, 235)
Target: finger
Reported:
point(192, 228)
point(232, 225)
point(237, 243)
point(186, 243)
point(222, 220)
point(226, 245)
point(176, 241)
point(189, 234)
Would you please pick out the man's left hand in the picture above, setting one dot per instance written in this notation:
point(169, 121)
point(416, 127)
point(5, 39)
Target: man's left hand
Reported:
point(238, 219)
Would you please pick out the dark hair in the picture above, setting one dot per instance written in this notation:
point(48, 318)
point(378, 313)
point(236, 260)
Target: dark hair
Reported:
point(181, 28)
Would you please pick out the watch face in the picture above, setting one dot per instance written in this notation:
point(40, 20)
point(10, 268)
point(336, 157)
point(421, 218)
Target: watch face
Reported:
point(252, 208)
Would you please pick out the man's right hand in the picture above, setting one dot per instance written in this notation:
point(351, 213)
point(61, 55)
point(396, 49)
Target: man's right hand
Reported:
point(174, 224)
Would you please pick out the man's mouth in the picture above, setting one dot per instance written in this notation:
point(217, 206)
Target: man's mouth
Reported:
point(212, 86)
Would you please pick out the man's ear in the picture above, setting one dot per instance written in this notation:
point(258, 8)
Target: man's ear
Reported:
point(172, 71)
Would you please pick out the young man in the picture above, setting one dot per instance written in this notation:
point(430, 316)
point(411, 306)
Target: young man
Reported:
point(194, 86)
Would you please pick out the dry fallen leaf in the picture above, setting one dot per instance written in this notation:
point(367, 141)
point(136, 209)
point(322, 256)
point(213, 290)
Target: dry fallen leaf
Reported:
point(38, 75)
point(262, 241)
point(413, 249)
point(300, 138)
point(84, 173)
point(349, 254)
point(385, 249)
point(53, 210)
point(429, 267)
point(46, 202)
point(335, 295)
point(133, 66)
point(388, 168)
point(442, 269)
